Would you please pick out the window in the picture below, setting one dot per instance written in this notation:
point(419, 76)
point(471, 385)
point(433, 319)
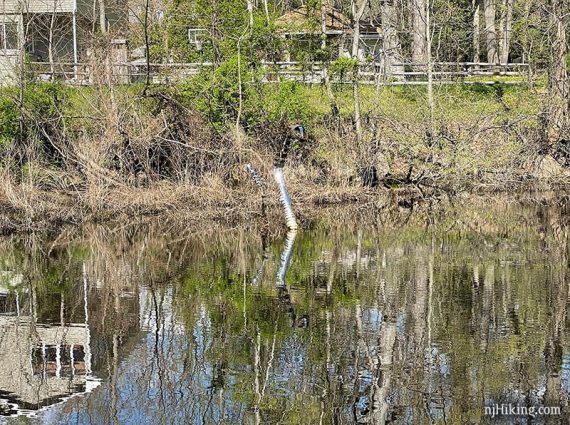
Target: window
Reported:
point(8, 36)
point(196, 37)
point(58, 360)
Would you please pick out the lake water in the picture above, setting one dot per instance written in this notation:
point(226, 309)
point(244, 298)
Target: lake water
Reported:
point(418, 312)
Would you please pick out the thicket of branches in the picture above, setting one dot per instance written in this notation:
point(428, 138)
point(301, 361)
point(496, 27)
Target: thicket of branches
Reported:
point(111, 142)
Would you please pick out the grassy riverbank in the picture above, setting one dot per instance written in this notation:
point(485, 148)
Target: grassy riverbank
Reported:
point(107, 152)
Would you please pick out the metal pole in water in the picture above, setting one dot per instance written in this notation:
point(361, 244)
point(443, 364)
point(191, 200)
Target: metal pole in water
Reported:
point(297, 133)
point(286, 258)
point(285, 199)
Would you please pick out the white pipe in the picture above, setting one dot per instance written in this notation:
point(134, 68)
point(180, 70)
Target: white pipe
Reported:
point(285, 199)
point(286, 258)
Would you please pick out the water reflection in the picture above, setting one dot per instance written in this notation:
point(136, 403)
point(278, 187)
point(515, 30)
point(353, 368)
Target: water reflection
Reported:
point(43, 364)
point(425, 313)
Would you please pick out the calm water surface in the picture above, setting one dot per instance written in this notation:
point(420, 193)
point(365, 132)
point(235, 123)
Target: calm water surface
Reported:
point(422, 313)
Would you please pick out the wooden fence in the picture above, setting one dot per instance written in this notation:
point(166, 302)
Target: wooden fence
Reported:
point(309, 73)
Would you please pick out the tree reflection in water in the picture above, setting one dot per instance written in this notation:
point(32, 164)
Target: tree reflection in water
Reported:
point(424, 317)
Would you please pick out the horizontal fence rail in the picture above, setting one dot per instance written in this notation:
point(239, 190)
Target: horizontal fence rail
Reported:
point(396, 73)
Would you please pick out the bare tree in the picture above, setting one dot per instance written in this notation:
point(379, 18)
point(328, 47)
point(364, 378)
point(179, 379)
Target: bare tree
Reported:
point(476, 31)
point(358, 7)
point(330, 94)
point(145, 21)
point(490, 31)
point(250, 13)
point(102, 16)
point(429, 59)
point(558, 73)
point(506, 30)
point(51, 40)
point(390, 48)
point(420, 28)
point(390, 42)
point(266, 10)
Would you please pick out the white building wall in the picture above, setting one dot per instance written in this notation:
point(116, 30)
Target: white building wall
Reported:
point(36, 6)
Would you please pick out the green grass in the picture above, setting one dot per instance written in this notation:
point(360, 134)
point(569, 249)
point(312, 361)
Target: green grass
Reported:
point(465, 103)
point(474, 122)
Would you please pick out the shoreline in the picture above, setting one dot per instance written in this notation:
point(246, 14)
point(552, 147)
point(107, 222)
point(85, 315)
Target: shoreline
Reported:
point(26, 210)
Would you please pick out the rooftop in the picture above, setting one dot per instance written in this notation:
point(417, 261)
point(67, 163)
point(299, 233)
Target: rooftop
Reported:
point(304, 21)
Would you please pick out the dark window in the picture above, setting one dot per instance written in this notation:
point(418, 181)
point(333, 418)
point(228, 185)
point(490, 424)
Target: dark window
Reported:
point(79, 359)
point(51, 360)
point(44, 360)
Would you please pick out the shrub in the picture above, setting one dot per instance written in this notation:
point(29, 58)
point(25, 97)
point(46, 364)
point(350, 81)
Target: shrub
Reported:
point(343, 67)
point(217, 93)
point(9, 115)
point(287, 100)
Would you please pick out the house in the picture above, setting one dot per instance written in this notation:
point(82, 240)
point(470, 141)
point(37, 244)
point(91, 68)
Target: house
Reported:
point(43, 364)
point(50, 32)
point(302, 30)
point(58, 364)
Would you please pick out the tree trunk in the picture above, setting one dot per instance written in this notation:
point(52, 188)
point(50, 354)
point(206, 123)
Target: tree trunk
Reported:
point(506, 29)
point(102, 16)
point(419, 31)
point(357, 12)
point(328, 84)
point(558, 76)
point(476, 31)
point(390, 37)
point(146, 45)
point(490, 31)
point(429, 59)
point(358, 8)
point(50, 42)
point(266, 10)
point(250, 12)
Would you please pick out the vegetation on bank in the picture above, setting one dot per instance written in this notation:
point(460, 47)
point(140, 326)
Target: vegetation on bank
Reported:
point(71, 152)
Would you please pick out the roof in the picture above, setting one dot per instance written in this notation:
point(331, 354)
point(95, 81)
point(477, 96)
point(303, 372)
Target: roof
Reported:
point(303, 21)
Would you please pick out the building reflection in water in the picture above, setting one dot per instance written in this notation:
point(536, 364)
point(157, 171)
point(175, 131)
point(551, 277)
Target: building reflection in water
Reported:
point(43, 364)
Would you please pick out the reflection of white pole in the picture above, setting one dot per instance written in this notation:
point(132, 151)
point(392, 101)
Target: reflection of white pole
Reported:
point(57, 360)
point(256, 367)
point(285, 198)
point(74, 27)
point(286, 258)
point(44, 360)
point(381, 406)
point(72, 360)
point(87, 347)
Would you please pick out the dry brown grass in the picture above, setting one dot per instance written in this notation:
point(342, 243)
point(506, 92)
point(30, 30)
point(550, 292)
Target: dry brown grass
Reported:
point(132, 156)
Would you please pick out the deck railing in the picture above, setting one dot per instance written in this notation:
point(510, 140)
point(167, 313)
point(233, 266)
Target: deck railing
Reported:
point(310, 73)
